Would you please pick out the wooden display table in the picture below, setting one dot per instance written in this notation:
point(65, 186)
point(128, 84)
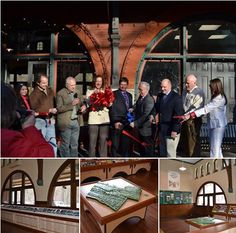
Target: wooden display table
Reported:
point(203, 223)
point(106, 169)
point(108, 219)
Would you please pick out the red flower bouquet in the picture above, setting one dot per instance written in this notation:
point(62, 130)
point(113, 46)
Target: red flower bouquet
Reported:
point(100, 100)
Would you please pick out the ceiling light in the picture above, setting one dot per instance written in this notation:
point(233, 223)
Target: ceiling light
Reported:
point(177, 37)
point(209, 27)
point(182, 168)
point(217, 37)
point(9, 50)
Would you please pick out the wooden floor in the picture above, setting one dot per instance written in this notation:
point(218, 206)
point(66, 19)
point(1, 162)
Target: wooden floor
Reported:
point(148, 181)
point(174, 225)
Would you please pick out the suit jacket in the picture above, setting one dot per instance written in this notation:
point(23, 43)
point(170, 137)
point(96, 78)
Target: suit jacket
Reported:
point(142, 111)
point(216, 110)
point(65, 108)
point(118, 110)
point(171, 106)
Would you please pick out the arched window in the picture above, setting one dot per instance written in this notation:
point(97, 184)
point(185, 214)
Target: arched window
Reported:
point(215, 165)
point(18, 189)
point(196, 173)
point(202, 170)
point(223, 164)
point(210, 194)
point(64, 188)
point(208, 166)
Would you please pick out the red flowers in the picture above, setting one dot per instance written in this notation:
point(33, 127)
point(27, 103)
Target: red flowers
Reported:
point(99, 100)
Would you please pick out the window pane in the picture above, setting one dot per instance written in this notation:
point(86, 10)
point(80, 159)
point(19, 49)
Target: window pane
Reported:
point(5, 197)
point(211, 200)
point(212, 37)
point(62, 196)
point(18, 197)
point(218, 189)
point(27, 181)
point(77, 169)
point(17, 180)
point(13, 197)
point(209, 188)
point(200, 200)
point(65, 175)
point(220, 199)
point(201, 191)
point(206, 201)
point(29, 197)
point(155, 71)
point(74, 68)
point(68, 42)
point(171, 38)
point(77, 197)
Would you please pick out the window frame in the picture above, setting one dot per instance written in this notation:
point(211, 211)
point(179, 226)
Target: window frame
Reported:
point(206, 196)
point(73, 183)
point(14, 190)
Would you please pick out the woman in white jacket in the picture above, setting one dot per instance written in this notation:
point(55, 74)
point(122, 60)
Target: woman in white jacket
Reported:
point(98, 119)
point(216, 117)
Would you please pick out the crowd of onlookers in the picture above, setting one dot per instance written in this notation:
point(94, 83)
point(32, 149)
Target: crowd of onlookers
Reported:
point(41, 124)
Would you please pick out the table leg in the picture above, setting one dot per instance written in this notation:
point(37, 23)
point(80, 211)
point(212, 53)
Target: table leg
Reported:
point(109, 227)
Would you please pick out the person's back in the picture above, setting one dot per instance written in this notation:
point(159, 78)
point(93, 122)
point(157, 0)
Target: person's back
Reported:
point(27, 142)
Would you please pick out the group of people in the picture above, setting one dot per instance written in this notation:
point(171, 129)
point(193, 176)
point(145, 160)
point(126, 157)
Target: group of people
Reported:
point(28, 121)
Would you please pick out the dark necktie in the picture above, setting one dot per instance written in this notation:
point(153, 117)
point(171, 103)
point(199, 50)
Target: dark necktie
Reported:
point(164, 97)
point(126, 99)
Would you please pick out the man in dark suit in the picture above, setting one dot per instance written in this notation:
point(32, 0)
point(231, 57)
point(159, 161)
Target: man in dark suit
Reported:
point(168, 105)
point(143, 111)
point(119, 121)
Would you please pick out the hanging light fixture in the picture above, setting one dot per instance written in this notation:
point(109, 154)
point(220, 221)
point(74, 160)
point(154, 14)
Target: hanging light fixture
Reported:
point(182, 168)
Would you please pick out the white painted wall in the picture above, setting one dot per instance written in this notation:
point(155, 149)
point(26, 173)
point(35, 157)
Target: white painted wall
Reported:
point(189, 183)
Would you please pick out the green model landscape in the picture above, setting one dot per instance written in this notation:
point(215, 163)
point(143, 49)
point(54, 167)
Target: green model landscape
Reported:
point(112, 196)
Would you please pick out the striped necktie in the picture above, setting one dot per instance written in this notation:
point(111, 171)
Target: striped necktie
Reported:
point(126, 99)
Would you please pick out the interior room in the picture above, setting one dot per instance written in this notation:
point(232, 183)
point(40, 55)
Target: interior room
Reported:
point(198, 195)
point(39, 195)
point(134, 215)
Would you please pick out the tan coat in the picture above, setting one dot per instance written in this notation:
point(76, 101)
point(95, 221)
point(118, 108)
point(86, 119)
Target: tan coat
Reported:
point(65, 108)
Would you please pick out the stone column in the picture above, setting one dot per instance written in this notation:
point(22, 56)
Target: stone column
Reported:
point(115, 41)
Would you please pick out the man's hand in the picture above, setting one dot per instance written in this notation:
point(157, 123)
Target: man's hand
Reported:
point(132, 124)
point(52, 110)
point(76, 101)
point(118, 125)
point(83, 108)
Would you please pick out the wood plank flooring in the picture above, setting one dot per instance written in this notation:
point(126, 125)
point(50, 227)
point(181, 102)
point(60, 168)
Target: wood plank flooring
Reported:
point(148, 181)
point(174, 225)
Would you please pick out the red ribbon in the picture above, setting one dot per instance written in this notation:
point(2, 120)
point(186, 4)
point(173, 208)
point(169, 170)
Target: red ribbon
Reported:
point(101, 99)
point(135, 139)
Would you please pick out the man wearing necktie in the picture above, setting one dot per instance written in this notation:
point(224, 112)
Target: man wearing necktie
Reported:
point(143, 111)
point(121, 144)
point(169, 104)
